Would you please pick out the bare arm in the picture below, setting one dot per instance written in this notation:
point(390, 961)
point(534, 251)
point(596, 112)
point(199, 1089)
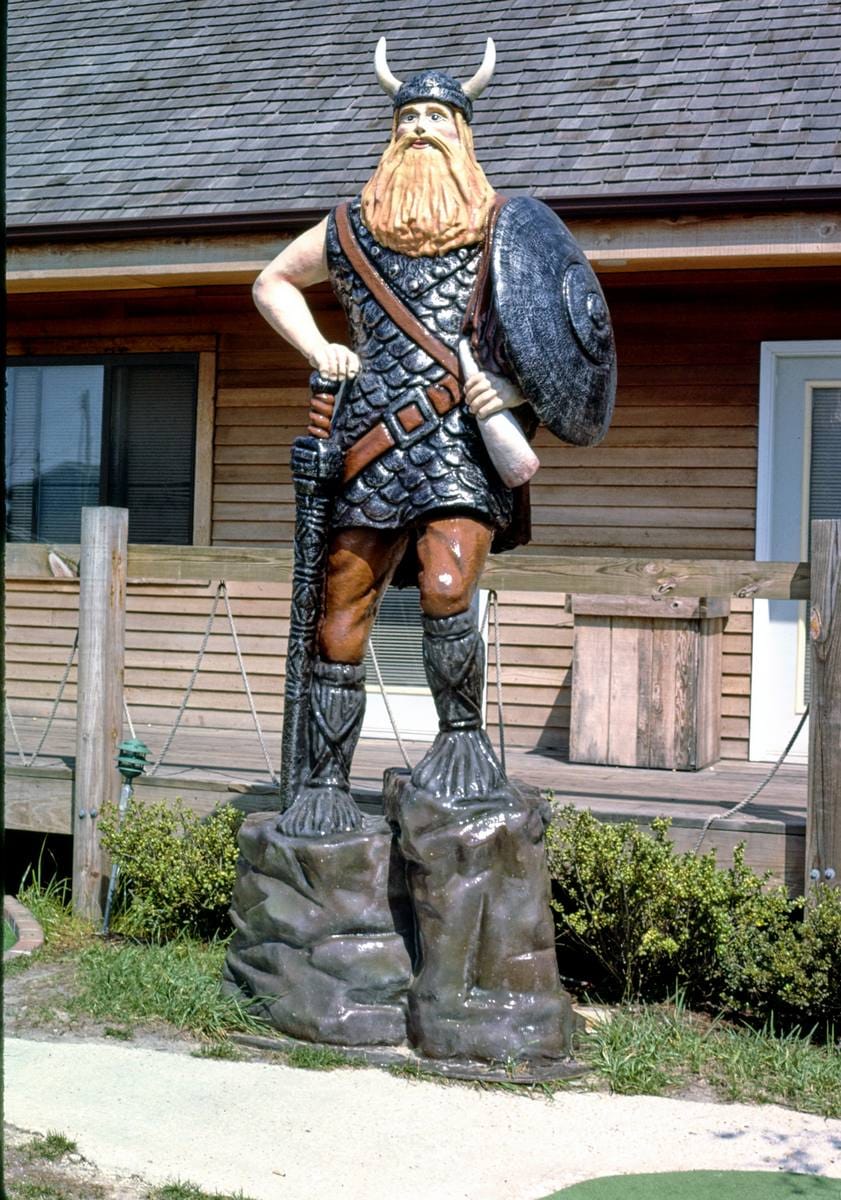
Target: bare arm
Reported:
point(278, 295)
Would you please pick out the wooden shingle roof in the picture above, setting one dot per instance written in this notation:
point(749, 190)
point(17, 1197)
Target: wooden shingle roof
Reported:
point(157, 109)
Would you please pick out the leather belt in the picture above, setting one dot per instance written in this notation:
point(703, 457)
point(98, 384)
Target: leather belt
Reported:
point(401, 426)
point(416, 415)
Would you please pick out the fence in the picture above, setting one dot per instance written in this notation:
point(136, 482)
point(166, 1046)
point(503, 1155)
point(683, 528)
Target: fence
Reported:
point(106, 562)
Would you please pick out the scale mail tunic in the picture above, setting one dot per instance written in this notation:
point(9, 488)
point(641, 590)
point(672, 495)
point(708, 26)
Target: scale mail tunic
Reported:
point(446, 467)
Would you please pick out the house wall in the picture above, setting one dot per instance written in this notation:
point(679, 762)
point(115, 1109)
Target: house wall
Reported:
point(674, 477)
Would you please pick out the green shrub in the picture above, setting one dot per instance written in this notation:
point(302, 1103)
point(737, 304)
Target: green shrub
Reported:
point(637, 920)
point(643, 921)
point(788, 968)
point(177, 871)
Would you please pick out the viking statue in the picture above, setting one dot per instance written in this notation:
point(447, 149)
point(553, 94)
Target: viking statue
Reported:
point(470, 320)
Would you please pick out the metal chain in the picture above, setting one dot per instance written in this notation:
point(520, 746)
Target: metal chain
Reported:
point(246, 685)
point(127, 716)
point(15, 732)
point(493, 598)
point(743, 803)
point(53, 711)
point(493, 602)
point(387, 705)
point(219, 590)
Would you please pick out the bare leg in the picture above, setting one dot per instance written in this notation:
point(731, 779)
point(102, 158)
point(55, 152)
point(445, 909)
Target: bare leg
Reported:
point(361, 563)
point(360, 567)
point(452, 553)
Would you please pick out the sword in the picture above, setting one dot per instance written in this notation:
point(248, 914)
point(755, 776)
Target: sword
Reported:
point(316, 462)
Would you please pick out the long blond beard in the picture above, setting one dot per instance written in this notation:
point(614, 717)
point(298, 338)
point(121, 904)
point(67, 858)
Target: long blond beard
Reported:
point(428, 201)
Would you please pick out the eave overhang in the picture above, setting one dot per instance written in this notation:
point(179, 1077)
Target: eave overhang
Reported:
point(650, 232)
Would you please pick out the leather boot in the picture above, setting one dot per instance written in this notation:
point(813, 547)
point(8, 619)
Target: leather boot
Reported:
point(337, 706)
point(461, 764)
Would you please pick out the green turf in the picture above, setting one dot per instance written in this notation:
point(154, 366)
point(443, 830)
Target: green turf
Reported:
point(705, 1185)
point(9, 936)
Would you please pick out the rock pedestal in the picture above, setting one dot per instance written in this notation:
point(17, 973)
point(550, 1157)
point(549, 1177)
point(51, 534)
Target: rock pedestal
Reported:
point(323, 930)
point(487, 986)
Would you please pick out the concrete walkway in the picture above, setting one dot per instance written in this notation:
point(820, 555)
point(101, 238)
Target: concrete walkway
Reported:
point(283, 1134)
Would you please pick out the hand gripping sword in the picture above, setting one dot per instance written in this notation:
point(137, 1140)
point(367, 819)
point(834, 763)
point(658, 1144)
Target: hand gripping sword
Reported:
point(316, 462)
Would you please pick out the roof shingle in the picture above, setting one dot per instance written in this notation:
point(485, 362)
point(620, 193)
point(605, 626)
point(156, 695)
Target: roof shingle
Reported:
point(149, 109)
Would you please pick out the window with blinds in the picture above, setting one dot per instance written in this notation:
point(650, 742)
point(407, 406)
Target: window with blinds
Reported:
point(118, 431)
point(397, 638)
point(824, 476)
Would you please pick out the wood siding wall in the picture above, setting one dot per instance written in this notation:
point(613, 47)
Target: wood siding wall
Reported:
point(675, 476)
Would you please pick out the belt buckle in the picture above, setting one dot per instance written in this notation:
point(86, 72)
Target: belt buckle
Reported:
point(402, 439)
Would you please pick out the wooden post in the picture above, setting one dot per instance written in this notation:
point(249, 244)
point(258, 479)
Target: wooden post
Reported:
point(99, 708)
point(823, 816)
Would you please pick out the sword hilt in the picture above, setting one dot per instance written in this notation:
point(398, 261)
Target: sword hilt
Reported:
point(322, 404)
point(316, 460)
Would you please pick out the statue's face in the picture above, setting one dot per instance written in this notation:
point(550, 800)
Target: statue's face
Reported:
point(423, 117)
point(428, 194)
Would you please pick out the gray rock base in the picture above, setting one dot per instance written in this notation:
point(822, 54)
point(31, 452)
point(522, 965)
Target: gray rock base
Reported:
point(488, 986)
point(413, 1065)
point(323, 929)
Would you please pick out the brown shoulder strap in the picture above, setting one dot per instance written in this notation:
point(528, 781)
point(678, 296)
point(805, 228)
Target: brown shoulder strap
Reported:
point(402, 316)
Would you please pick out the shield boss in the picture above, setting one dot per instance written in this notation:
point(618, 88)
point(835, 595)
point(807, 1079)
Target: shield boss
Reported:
point(556, 326)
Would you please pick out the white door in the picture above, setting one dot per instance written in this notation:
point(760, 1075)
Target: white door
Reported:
point(799, 479)
point(396, 640)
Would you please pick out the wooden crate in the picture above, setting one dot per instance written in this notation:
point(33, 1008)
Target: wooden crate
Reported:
point(646, 681)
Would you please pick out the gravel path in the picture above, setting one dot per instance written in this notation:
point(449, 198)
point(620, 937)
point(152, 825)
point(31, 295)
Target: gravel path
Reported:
point(279, 1133)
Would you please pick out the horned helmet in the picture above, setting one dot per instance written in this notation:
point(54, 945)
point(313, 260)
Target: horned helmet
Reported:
point(435, 85)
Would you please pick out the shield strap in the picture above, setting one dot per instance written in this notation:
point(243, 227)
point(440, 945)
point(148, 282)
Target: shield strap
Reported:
point(477, 317)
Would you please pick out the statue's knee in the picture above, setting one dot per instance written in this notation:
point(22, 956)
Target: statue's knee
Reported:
point(446, 594)
point(343, 637)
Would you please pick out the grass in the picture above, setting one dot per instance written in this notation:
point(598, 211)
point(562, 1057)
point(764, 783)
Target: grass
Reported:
point(318, 1058)
point(764, 1067)
point(120, 1033)
point(9, 936)
point(645, 1050)
point(176, 982)
point(49, 1147)
point(123, 983)
point(17, 965)
point(179, 1190)
point(226, 1051)
point(35, 1171)
point(654, 1050)
point(31, 1189)
point(49, 904)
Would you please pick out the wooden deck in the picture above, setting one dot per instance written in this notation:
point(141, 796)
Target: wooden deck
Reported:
point(205, 767)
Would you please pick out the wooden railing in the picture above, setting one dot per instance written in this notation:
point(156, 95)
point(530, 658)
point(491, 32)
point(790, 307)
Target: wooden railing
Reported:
point(518, 571)
point(106, 564)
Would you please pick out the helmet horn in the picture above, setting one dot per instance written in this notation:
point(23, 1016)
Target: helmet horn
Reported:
point(474, 87)
point(388, 82)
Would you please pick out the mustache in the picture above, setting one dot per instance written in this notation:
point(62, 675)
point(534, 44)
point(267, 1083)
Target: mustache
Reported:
point(431, 139)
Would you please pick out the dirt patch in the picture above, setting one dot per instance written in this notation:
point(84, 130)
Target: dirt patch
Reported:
point(36, 995)
point(72, 1177)
point(700, 1091)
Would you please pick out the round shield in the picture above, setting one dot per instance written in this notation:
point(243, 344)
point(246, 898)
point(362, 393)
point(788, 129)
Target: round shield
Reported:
point(556, 327)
